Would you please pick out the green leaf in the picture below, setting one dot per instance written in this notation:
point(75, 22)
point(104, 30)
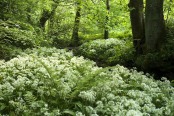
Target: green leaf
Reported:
point(2, 106)
point(70, 112)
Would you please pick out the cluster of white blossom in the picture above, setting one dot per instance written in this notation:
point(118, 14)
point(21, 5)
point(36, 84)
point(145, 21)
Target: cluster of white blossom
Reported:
point(106, 43)
point(95, 47)
point(49, 75)
point(107, 51)
point(130, 93)
point(50, 81)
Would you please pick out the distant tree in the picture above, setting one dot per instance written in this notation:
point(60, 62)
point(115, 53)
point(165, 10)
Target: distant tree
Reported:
point(137, 23)
point(106, 31)
point(75, 36)
point(154, 25)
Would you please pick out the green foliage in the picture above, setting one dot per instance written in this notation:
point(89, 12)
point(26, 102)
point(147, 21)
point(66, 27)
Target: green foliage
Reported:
point(53, 82)
point(121, 34)
point(89, 37)
point(42, 82)
point(61, 25)
point(107, 52)
point(168, 10)
point(61, 41)
point(16, 36)
point(113, 34)
point(8, 51)
point(28, 11)
point(94, 15)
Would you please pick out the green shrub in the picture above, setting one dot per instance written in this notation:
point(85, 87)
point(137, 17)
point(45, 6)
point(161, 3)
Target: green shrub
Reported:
point(53, 82)
point(61, 35)
point(8, 51)
point(14, 36)
point(160, 63)
point(43, 39)
point(107, 52)
point(17, 34)
point(60, 41)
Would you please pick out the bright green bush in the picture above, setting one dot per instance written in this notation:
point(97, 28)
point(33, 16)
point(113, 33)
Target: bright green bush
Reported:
point(53, 82)
point(107, 52)
point(16, 36)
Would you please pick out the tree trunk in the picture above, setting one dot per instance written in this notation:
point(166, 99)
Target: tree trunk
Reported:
point(75, 36)
point(154, 25)
point(137, 23)
point(106, 31)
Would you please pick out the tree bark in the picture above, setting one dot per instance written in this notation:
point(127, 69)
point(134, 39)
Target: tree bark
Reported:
point(75, 36)
point(137, 23)
point(106, 31)
point(154, 25)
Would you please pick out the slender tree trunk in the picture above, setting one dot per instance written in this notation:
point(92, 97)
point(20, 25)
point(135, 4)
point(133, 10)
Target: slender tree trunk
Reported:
point(75, 36)
point(154, 25)
point(106, 31)
point(137, 23)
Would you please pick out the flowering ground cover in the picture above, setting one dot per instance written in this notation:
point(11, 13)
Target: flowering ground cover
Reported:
point(110, 51)
point(53, 82)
